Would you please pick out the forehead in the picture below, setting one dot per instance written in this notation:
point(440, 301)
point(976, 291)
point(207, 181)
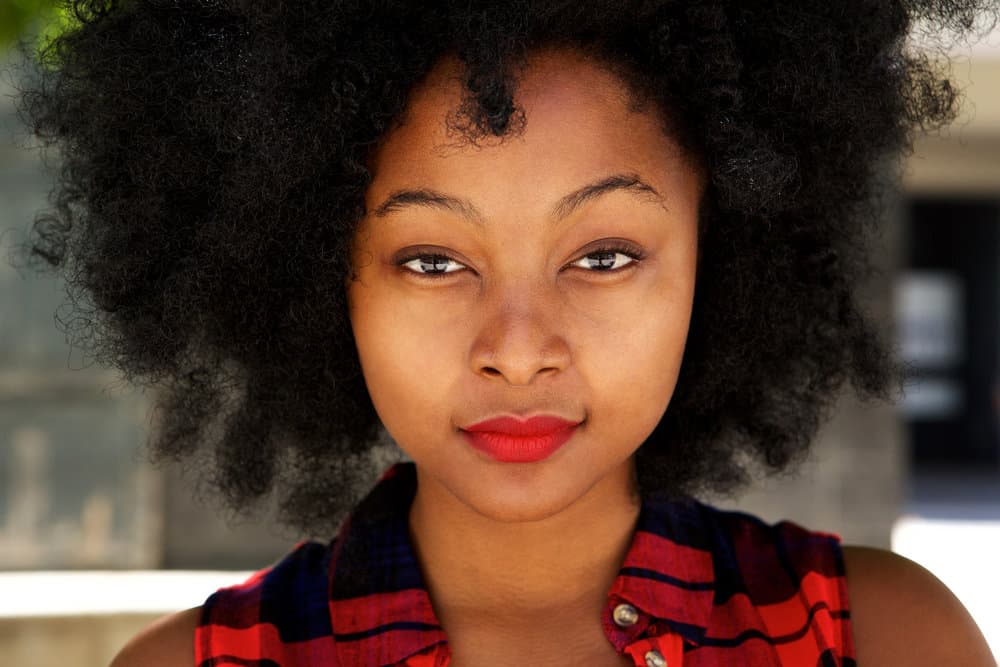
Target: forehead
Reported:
point(579, 123)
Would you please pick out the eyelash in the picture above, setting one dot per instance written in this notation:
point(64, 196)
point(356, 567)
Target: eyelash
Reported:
point(629, 250)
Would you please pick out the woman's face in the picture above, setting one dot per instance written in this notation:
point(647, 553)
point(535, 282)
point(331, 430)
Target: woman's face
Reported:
point(485, 287)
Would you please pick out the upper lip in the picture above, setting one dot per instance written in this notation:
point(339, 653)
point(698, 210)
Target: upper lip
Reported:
point(532, 426)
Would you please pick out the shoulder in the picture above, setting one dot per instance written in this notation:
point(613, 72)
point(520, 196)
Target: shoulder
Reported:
point(167, 642)
point(289, 594)
point(902, 614)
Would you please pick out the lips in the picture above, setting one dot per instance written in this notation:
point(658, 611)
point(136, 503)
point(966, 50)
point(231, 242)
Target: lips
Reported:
point(512, 440)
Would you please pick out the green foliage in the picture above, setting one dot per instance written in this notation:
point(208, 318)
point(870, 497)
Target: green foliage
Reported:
point(35, 19)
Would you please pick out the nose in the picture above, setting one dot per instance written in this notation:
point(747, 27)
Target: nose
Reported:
point(520, 338)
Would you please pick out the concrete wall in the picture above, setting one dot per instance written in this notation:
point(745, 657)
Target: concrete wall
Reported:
point(964, 158)
point(60, 641)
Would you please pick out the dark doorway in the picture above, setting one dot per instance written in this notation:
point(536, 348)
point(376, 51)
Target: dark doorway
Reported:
point(948, 314)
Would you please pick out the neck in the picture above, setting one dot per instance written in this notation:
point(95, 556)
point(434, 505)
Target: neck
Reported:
point(520, 573)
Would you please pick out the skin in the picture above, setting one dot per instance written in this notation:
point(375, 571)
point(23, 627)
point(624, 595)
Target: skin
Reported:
point(519, 325)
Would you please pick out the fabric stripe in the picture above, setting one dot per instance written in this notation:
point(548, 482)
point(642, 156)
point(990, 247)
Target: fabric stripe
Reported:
point(391, 627)
point(739, 613)
point(754, 633)
point(262, 642)
point(233, 660)
point(653, 575)
point(362, 615)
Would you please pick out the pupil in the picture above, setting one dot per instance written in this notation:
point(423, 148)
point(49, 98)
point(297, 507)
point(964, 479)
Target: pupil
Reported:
point(433, 264)
point(604, 260)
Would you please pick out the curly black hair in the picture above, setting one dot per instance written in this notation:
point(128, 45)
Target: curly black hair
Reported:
point(213, 170)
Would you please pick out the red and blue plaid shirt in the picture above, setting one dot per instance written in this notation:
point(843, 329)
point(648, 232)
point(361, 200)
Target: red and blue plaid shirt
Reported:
point(698, 587)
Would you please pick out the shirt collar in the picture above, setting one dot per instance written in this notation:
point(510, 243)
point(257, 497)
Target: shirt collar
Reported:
point(669, 572)
point(381, 612)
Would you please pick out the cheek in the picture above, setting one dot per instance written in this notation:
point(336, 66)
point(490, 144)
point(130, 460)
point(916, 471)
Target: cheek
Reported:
point(634, 354)
point(407, 353)
point(637, 369)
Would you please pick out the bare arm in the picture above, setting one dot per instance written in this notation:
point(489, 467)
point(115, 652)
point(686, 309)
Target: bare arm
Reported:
point(167, 642)
point(903, 615)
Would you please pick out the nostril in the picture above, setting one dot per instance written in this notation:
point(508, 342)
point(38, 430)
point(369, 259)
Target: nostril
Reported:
point(489, 370)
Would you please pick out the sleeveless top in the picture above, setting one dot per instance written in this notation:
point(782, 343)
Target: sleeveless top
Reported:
point(698, 587)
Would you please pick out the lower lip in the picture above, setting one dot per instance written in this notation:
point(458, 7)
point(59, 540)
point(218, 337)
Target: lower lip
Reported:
point(519, 449)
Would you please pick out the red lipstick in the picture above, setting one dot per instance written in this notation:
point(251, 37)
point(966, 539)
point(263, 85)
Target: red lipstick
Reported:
point(512, 440)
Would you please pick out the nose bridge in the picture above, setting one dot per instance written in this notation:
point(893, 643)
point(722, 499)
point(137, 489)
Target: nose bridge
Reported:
point(521, 334)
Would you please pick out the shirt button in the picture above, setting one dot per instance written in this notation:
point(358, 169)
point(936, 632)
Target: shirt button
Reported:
point(655, 659)
point(625, 615)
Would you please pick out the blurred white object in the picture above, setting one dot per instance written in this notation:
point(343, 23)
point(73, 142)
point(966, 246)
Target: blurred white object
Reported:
point(963, 555)
point(107, 592)
point(929, 310)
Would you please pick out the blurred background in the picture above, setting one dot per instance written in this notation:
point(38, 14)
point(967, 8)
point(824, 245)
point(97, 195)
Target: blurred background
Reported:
point(94, 543)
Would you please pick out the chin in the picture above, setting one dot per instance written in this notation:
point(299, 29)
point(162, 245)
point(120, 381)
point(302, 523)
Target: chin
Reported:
point(522, 493)
point(518, 512)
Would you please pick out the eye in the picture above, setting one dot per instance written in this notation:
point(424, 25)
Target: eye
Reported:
point(609, 259)
point(429, 265)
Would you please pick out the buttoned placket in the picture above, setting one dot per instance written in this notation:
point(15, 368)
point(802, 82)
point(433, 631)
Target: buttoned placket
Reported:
point(647, 648)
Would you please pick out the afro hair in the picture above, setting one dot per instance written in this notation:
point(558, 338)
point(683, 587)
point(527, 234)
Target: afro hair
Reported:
point(213, 169)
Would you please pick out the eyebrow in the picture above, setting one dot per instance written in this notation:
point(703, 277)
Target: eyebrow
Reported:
point(427, 197)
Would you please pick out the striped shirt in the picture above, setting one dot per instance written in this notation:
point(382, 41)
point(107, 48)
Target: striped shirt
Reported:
point(698, 587)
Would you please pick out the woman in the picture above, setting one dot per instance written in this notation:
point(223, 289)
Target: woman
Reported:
point(577, 259)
